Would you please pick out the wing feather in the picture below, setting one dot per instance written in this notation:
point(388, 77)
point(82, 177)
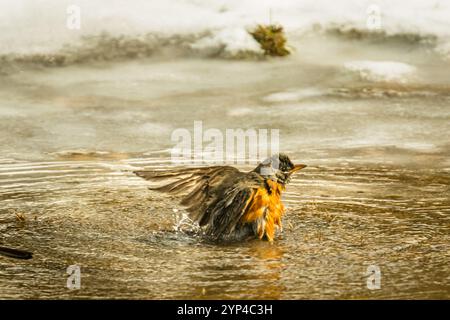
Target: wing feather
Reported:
point(216, 197)
point(227, 213)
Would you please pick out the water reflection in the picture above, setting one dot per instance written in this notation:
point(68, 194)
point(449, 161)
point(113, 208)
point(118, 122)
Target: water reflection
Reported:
point(250, 271)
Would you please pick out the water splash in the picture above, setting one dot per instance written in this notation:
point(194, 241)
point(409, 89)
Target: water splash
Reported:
point(184, 224)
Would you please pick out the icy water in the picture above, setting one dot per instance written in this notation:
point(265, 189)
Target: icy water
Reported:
point(376, 190)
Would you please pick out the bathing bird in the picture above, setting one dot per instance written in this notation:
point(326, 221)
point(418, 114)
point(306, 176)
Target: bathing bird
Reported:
point(229, 204)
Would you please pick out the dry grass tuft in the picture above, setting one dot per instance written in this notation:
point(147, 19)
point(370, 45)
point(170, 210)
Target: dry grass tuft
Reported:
point(272, 39)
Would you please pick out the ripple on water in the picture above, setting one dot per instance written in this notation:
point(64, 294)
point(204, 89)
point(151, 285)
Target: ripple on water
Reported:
point(339, 220)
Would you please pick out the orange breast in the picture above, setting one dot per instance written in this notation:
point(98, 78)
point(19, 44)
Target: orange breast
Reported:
point(265, 208)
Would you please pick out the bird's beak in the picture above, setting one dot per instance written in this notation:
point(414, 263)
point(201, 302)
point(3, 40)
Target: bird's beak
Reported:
point(297, 167)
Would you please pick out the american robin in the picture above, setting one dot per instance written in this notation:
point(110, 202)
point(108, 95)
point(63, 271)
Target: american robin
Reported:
point(230, 204)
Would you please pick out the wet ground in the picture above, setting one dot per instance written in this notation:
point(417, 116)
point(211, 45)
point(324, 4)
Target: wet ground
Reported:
point(376, 191)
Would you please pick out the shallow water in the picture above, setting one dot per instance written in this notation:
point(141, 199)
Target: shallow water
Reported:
point(339, 221)
point(376, 190)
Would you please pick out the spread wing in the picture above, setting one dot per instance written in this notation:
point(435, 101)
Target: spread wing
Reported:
point(215, 197)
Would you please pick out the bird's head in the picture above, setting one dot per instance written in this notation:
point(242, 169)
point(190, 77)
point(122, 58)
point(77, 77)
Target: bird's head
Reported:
point(279, 168)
